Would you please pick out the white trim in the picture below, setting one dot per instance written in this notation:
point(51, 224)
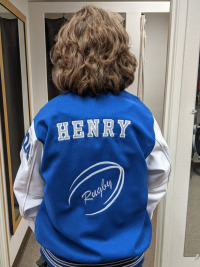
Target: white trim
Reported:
point(3, 243)
point(180, 100)
point(4, 253)
point(88, 264)
point(55, 261)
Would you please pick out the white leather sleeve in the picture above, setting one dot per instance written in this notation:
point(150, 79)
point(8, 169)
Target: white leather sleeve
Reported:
point(159, 169)
point(29, 184)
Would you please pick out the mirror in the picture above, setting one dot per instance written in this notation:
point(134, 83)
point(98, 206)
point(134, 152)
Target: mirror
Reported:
point(192, 234)
point(14, 99)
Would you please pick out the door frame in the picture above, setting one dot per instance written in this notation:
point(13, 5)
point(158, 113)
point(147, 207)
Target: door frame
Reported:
point(4, 251)
point(181, 82)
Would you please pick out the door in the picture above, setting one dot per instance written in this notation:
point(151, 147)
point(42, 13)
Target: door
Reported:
point(178, 239)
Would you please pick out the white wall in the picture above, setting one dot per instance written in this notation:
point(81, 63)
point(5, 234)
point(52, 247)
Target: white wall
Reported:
point(156, 52)
point(38, 58)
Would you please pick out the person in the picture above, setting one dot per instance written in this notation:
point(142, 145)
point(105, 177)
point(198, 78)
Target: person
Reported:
point(94, 163)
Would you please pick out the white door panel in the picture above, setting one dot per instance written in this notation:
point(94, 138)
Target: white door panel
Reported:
point(178, 131)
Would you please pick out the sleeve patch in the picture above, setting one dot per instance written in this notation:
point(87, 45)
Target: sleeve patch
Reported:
point(27, 145)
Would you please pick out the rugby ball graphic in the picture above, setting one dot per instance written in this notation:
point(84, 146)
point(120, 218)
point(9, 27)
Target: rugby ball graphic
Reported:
point(104, 190)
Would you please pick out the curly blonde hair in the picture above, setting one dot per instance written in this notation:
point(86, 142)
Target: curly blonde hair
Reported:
point(91, 54)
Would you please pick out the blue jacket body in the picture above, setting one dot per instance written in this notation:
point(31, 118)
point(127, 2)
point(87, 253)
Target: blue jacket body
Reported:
point(94, 151)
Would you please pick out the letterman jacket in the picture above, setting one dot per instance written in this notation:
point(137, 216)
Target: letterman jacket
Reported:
point(93, 170)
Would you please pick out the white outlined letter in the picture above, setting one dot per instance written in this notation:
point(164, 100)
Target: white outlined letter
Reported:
point(108, 127)
point(63, 131)
point(78, 133)
point(93, 127)
point(123, 126)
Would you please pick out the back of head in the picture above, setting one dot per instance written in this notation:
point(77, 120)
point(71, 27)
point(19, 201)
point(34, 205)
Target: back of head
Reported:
point(92, 54)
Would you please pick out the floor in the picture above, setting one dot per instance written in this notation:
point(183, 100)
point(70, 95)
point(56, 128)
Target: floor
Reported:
point(32, 250)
